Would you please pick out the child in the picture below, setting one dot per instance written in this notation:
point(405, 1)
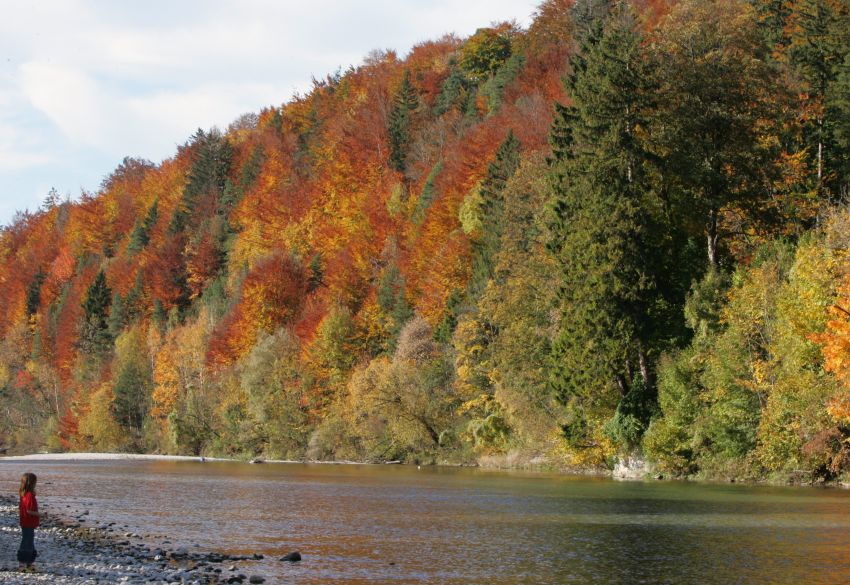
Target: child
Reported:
point(29, 522)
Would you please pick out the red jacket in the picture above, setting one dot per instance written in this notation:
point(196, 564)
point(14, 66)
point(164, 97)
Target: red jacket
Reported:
point(29, 503)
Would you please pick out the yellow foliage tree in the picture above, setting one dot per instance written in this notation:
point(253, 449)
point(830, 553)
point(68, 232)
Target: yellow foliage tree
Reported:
point(98, 429)
point(179, 367)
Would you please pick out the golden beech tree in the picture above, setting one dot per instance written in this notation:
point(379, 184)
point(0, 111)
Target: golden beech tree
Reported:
point(97, 429)
point(179, 367)
point(166, 377)
point(266, 216)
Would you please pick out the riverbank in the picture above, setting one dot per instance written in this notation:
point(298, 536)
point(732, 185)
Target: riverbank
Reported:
point(630, 469)
point(104, 457)
point(75, 551)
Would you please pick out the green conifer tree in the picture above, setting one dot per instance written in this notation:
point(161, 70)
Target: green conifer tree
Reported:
point(117, 315)
point(208, 175)
point(393, 303)
point(772, 16)
point(499, 171)
point(34, 292)
point(838, 110)
point(587, 15)
point(317, 273)
point(140, 236)
point(94, 334)
point(159, 315)
point(133, 302)
point(405, 102)
point(426, 198)
point(603, 230)
point(133, 383)
point(453, 92)
point(130, 402)
point(818, 44)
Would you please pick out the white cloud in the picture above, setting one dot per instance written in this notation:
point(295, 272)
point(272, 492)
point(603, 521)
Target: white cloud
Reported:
point(70, 98)
point(13, 159)
point(20, 148)
point(177, 114)
point(85, 82)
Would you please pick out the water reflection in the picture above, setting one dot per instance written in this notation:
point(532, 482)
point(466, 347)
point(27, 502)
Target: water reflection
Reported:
point(393, 524)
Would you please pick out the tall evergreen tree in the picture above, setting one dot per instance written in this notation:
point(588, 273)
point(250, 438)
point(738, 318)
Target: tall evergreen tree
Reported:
point(34, 292)
point(94, 333)
point(235, 190)
point(453, 93)
point(393, 303)
point(405, 102)
point(117, 315)
point(499, 171)
point(317, 273)
point(131, 395)
point(426, 198)
point(158, 314)
point(604, 230)
point(134, 300)
point(819, 40)
point(141, 234)
point(208, 175)
point(470, 321)
point(587, 15)
point(772, 17)
point(838, 110)
point(132, 382)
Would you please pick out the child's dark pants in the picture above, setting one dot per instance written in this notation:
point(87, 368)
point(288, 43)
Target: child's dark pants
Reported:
point(27, 552)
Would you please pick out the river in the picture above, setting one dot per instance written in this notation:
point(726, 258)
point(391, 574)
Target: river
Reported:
point(401, 524)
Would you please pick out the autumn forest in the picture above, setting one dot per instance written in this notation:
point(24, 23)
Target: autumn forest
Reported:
point(619, 232)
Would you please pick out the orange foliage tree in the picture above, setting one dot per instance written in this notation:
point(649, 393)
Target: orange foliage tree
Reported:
point(835, 341)
point(271, 296)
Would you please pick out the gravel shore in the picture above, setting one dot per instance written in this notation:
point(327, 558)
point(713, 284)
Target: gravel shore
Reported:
point(73, 554)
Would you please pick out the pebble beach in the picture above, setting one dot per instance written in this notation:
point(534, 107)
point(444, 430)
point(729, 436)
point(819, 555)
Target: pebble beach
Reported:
point(73, 549)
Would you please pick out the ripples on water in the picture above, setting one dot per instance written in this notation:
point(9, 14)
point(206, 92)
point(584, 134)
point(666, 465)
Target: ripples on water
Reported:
point(399, 524)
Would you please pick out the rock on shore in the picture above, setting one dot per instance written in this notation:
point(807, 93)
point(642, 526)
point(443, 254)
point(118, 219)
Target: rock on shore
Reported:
point(70, 554)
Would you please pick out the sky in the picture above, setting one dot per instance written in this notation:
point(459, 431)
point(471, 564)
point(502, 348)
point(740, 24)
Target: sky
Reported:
point(84, 83)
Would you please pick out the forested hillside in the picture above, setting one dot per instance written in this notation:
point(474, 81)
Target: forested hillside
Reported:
point(621, 231)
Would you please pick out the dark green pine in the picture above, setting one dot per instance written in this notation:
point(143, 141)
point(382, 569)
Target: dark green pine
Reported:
point(603, 231)
point(34, 292)
point(818, 48)
point(117, 315)
point(94, 334)
point(503, 167)
point(207, 177)
point(140, 236)
point(405, 102)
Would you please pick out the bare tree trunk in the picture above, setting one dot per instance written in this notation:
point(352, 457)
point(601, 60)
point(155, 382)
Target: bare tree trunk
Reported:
point(711, 236)
point(645, 371)
point(820, 150)
point(432, 432)
point(622, 385)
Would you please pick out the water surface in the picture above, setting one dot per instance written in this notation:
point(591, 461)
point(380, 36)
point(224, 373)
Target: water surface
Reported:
point(400, 524)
